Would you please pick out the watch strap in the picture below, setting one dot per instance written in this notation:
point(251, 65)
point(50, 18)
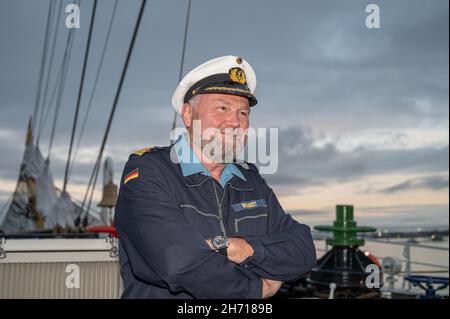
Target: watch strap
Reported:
point(224, 251)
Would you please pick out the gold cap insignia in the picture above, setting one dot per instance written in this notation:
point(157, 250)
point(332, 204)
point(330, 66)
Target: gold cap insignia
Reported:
point(237, 75)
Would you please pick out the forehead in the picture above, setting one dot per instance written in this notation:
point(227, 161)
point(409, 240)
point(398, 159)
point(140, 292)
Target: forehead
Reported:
point(233, 100)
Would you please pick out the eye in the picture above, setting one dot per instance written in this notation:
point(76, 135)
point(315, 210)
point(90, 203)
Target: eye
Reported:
point(222, 107)
point(244, 113)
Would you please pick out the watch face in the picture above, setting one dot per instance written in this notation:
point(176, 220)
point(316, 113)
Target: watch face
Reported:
point(219, 242)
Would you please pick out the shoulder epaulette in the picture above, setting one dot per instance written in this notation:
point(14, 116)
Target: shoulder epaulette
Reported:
point(146, 150)
point(143, 151)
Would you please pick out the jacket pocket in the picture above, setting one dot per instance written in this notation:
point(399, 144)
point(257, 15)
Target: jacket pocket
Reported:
point(205, 222)
point(248, 222)
point(195, 209)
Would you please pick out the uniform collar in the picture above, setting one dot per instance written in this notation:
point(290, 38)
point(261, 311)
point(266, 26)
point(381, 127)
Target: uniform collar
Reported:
point(190, 164)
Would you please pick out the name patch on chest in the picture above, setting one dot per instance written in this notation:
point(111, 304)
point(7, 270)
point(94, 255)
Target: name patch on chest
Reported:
point(249, 205)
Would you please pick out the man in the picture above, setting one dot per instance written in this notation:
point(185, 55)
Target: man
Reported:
point(192, 225)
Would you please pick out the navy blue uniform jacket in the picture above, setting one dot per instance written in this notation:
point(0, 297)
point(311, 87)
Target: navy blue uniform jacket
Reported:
point(163, 218)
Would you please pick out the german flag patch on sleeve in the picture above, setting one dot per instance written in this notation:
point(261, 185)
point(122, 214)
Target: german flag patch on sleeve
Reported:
point(132, 175)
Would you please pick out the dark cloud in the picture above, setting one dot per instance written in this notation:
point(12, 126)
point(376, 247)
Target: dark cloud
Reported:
point(290, 180)
point(315, 60)
point(302, 161)
point(430, 182)
point(318, 67)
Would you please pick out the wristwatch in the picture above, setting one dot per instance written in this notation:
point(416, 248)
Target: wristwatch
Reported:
point(221, 244)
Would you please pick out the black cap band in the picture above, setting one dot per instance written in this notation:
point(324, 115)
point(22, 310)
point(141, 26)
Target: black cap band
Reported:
point(220, 83)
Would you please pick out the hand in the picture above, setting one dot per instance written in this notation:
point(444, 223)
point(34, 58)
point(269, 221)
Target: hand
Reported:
point(238, 249)
point(270, 287)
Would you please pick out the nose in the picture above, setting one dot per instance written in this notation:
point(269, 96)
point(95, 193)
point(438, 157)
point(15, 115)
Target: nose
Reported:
point(233, 120)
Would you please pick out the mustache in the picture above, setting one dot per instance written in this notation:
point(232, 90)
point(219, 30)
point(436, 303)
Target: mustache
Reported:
point(235, 133)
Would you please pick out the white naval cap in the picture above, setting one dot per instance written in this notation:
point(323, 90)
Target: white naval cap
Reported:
point(227, 74)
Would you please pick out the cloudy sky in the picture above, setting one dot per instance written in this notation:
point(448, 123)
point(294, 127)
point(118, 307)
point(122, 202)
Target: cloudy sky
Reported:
point(362, 113)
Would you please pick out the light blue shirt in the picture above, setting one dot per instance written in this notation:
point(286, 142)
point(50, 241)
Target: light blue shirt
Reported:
point(190, 164)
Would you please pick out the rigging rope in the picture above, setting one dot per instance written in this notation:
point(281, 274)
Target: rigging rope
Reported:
point(50, 67)
point(105, 45)
point(186, 27)
point(52, 99)
point(95, 170)
point(80, 93)
point(66, 59)
point(43, 63)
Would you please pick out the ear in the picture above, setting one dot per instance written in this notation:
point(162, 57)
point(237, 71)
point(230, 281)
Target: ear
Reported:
point(186, 114)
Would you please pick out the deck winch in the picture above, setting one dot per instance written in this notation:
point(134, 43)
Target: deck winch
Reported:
point(344, 266)
point(342, 271)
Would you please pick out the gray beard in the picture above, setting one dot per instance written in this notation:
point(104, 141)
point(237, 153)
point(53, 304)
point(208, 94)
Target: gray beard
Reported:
point(216, 150)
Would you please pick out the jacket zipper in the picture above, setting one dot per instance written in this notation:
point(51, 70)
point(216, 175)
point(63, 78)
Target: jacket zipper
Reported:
point(237, 220)
point(219, 206)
